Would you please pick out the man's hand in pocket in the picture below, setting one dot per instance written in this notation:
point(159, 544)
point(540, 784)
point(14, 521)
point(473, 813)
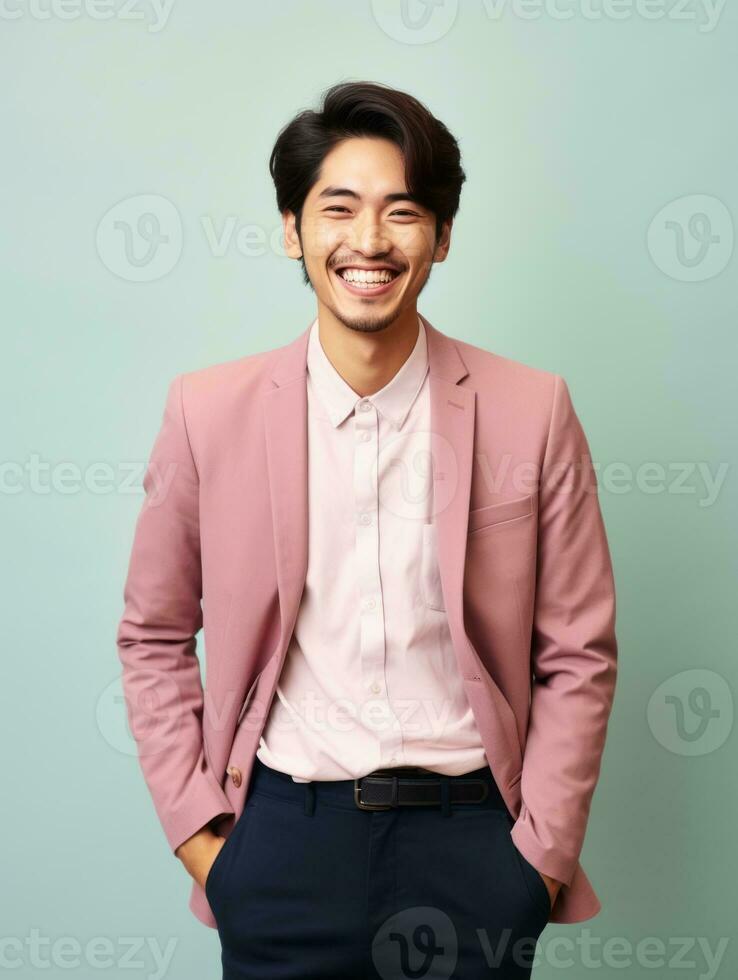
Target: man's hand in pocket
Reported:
point(552, 884)
point(198, 853)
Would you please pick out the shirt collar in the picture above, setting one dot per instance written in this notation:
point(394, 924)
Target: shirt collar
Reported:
point(393, 401)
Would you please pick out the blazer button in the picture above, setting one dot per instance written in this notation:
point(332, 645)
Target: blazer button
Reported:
point(235, 774)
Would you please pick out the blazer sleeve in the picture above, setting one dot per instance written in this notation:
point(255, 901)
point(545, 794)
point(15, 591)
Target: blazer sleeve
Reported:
point(156, 636)
point(573, 652)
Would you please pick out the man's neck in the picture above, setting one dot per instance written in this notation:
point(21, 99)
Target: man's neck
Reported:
point(368, 360)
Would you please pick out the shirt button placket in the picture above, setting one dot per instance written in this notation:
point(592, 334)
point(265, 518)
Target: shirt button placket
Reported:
point(373, 639)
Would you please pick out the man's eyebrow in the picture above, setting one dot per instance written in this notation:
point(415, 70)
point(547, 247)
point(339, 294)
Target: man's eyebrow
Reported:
point(331, 191)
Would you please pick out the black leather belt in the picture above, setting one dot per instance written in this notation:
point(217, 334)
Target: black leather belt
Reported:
point(384, 789)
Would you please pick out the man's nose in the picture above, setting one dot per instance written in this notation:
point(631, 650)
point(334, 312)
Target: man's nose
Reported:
point(369, 238)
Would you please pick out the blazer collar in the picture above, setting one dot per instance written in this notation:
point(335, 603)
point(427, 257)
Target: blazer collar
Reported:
point(444, 359)
point(393, 401)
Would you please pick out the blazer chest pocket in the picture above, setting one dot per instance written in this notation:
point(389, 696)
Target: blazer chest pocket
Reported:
point(430, 574)
point(482, 518)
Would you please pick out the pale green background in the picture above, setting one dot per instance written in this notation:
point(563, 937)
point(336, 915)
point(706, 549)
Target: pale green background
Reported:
point(574, 135)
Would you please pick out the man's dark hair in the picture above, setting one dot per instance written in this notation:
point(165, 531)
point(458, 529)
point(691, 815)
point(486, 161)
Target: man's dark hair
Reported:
point(433, 172)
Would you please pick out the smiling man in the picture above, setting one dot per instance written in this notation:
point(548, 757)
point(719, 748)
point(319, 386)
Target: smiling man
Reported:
point(393, 540)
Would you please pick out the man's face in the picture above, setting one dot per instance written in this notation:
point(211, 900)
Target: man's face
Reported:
point(368, 248)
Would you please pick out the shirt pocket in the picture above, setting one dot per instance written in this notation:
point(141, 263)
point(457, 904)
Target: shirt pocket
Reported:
point(431, 590)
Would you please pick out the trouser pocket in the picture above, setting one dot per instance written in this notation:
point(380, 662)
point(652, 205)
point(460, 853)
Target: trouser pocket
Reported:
point(219, 866)
point(532, 880)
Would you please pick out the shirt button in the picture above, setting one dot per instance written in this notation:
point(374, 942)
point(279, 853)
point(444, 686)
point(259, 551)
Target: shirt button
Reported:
point(365, 406)
point(366, 436)
point(370, 603)
point(365, 519)
point(375, 688)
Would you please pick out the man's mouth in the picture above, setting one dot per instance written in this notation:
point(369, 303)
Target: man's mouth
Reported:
point(369, 282)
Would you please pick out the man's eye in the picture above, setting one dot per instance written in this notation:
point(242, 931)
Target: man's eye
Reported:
point(400, 213)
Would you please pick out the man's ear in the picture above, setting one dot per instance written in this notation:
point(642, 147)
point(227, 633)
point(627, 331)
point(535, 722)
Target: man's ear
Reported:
point(292, 246)
point(444, 242)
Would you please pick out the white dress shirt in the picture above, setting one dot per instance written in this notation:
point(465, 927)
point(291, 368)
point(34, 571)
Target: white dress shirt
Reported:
point(370, 679)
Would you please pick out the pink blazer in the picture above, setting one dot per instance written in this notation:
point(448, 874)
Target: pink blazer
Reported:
point(221, 544)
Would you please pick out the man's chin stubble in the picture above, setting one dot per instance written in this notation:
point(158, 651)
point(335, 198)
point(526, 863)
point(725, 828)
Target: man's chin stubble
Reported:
point(365, 324)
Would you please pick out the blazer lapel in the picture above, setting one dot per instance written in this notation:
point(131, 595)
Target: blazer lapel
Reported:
point(452, 453)
point(453, 411)
point(285, 429)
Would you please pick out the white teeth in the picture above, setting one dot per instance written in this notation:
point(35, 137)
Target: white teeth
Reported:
point(363, 277)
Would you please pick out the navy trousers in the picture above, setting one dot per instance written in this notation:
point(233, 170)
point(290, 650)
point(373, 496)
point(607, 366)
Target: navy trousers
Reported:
point(310, 887)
